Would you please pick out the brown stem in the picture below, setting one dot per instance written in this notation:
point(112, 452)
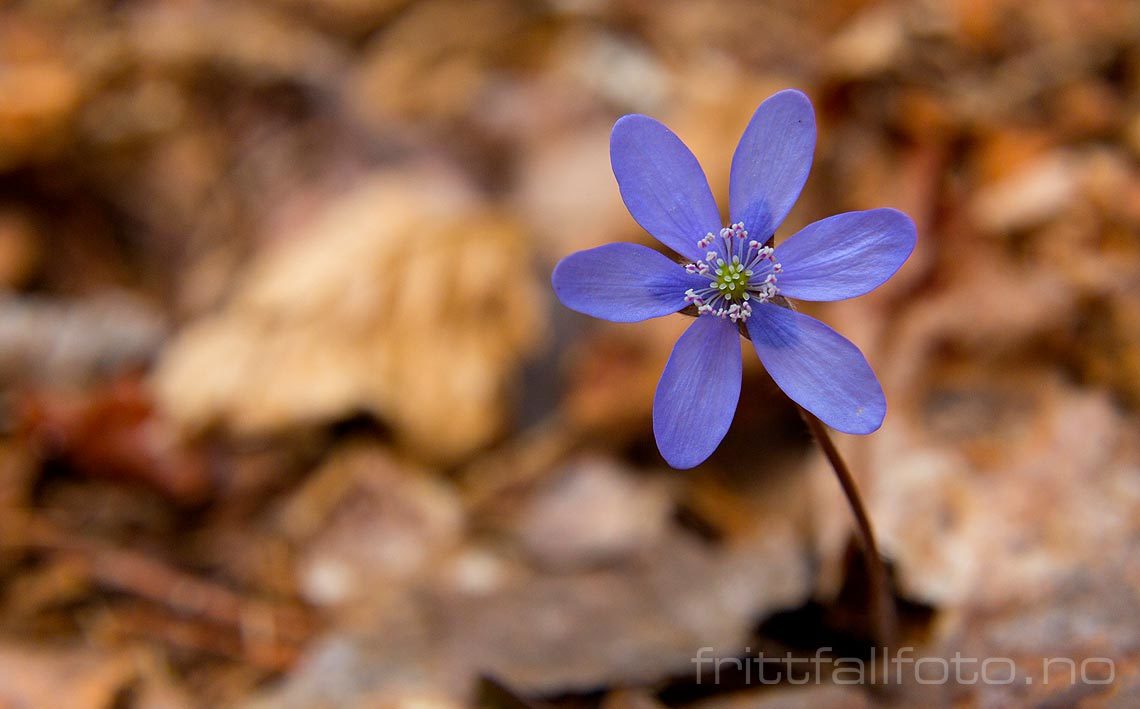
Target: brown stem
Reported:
point(883, 606)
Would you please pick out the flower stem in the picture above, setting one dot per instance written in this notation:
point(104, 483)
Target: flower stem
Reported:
point(882, 599)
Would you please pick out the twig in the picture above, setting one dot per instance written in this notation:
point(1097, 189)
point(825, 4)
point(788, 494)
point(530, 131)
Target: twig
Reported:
point(269, 631)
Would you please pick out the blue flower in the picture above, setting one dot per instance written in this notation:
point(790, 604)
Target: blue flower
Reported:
point(731, 277)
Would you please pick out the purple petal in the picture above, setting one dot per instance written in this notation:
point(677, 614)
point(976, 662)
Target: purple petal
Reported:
point(696, 397)
point(662, 184)
point(771, 163)
point(622, 283)
point(846, 255)
point(818, 368)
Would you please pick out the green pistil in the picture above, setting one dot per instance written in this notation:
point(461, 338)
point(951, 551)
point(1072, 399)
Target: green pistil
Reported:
point(731, 279)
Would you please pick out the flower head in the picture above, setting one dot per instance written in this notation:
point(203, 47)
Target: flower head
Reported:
point(733, 278)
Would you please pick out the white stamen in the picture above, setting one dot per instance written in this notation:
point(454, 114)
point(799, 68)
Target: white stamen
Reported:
point(737, 276)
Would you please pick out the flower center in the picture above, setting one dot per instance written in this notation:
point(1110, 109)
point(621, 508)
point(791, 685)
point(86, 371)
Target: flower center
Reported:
point(740, 272)
point(731, 279)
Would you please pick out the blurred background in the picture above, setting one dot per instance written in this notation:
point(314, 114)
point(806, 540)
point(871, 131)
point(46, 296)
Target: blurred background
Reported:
point(290, 417)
